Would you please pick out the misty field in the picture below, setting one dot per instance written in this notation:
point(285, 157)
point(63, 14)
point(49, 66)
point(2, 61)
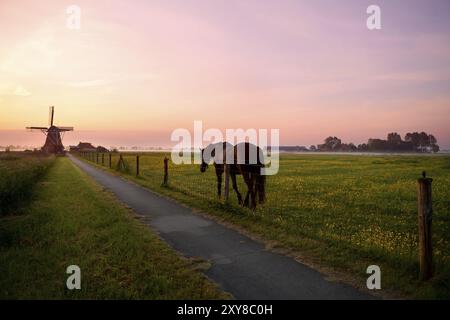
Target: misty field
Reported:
point(340, 211)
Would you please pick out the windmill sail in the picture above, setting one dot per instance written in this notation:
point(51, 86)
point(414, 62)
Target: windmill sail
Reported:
point(65, 128)
point(50, 116)
point(37, 128)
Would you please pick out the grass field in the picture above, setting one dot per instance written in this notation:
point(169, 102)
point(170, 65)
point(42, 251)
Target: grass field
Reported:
point(70, 221)
point(341, 212)
point(18, 173)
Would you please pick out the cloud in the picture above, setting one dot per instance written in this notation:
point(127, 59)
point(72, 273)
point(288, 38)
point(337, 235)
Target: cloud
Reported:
point(35, 54)
point(88, 83)
point(140, 77)
point(13, 90)
point(21, 92)
point(413, 76)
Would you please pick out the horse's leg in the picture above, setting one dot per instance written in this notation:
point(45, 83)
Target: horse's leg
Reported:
point(252, 191)
point(246, 177)
point(260, 188)
point(233, 179)
point(247, 198)
point(219, 183)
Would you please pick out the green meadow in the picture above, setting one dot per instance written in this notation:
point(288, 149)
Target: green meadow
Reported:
point(340, 213)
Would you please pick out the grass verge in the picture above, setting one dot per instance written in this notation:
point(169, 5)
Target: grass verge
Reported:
point(72, 221)
point(19, 172)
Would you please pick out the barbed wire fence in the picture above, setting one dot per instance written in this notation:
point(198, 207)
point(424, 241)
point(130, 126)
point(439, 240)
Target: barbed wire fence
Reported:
point(157, 169)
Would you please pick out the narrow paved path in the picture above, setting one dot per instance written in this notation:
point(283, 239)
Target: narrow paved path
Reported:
point(240, 265)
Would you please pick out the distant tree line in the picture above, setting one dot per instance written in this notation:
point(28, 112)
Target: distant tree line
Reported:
point(413, 142)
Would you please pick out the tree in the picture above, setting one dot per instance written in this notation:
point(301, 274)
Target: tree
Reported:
point(414, 138)
point(435, 148)
point(394, 141)
point(377, 145)
point(422, 141)
point(363, 147)
point(312, 148)
point(394, 138)
point(432, 139)
point(414, 142)
point(352, 146)
point(333, 143)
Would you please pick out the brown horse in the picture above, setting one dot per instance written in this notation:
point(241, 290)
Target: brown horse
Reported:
point(247, 160)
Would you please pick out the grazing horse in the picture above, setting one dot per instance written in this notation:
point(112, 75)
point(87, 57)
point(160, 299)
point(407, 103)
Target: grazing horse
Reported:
point(247, 160)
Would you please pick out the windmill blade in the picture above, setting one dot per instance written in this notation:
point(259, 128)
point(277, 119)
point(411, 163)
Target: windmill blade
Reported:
point(37, 128)
point(50, 116)
point(65, 128)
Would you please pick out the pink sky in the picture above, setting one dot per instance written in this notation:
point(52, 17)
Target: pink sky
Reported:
point(139, 69)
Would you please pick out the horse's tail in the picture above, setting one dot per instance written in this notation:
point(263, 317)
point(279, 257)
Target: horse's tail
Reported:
point(261, 188)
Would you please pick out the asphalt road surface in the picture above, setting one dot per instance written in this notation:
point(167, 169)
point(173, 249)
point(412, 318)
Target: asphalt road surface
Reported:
point(239, 264)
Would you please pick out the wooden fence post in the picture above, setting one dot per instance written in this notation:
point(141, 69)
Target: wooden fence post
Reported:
point(96, 161)
point(120, 162)
point(103, 159)
point(110, 160)
point(425, 211)
point(166, 171)
point(227, 181)
point(137, 165)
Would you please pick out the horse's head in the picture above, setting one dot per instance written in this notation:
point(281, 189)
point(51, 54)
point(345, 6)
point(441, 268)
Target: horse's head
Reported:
point(204, 164)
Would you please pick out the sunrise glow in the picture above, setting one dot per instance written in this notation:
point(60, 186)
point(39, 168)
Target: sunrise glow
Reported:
point(137, 70)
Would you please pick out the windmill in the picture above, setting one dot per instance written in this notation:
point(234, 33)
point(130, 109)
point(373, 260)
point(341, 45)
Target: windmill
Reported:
point(53, 142)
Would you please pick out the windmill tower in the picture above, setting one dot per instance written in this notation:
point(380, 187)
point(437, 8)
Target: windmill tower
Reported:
point(53, 142)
